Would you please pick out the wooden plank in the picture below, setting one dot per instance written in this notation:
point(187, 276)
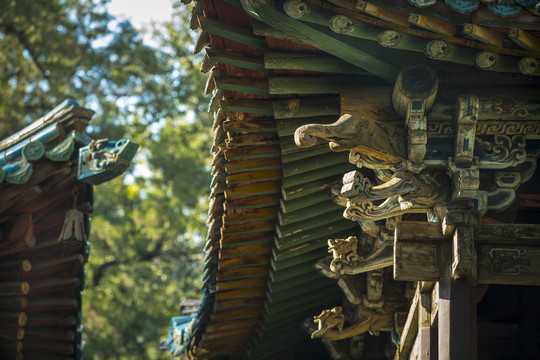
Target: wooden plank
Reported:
point(246, 61)
point(248, 227)
point(249, 124)
point(248, 238)
point(232, 31)
point(249, 106)
point(445, 51)
point(244, 261)
point(231, 274)
point(410, 329)
point(310, 223)
point(241, 284)
point(298, 191)
point(314, 211)
point(516, 234)
point(310, 62)
point(300, 153)
point(252, 202)
point(438, 26)
point(237, 304)
point(524, 39)
point(242, 250)
point(262, 29)
point(509, 264)
point(251, 152)
point(317, 174)
point(316, 233)
point(392, 16)
point(309, 84)
point(236, 139)
point(370, 103)
point(244, 215)
point(483, 34)
point(315, 163)
point(242, 165)
point(254, 176)
point(416, 260)
point(330, 42)
point(259, 188)
point(240, 333)
point(245, 85)
point(305, 107)
point(248, 293)
point(288, 206)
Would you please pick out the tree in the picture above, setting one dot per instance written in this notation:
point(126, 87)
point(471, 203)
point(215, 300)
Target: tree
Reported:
point(147, 228)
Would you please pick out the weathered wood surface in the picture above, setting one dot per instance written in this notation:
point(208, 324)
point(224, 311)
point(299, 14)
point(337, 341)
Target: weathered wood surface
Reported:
point(310, 62)
point(245, 85)
point(483, 34)
point(232, 31)
point(328, 41)
point(305, 107)
point(247, 61)
point(505, 253)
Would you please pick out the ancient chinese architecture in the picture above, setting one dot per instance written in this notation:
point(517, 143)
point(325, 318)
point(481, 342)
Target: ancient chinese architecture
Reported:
point(47, 173)
point(375, 193)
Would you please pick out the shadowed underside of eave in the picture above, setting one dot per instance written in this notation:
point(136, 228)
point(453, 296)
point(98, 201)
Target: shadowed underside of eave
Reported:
point(271, 212)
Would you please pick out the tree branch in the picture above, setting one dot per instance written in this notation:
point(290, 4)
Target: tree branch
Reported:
point(10, 29)
point(149, 256)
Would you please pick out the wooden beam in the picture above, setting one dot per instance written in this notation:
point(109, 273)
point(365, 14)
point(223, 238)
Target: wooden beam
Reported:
point(310, 62)
point(264, 10)
point(445, 51)
point(305, 107)
point(249, 106)
point(232, 31)
point(245, 85)
point(438, 26)
point(246, 61)
point(483, 34)
point(524, 39)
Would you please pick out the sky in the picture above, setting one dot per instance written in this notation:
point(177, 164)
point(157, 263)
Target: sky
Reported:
point(141, 12)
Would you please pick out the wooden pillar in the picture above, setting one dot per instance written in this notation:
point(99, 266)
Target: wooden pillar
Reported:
point(457, 319)
point(427, 334)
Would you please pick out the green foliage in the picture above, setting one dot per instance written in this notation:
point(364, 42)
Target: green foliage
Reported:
point(147, 228)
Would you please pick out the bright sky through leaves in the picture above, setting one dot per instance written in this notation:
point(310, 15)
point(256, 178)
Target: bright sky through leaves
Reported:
point(141, 12)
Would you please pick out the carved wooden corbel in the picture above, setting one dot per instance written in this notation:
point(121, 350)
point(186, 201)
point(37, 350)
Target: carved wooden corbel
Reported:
point(328, 320)
point(346, 260)
point(370, 137)
point(368, 321)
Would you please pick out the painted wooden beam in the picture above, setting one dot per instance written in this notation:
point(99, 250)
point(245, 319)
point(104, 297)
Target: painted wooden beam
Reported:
point(398, 40)
point(315, 84)
point(392, 16)
point(483, 34)
point(529, 66)
point(245, 85)
point(438, 26)
point(262, 29)
point(524, 39)
point(232, 31)
point(310, 62)
point(486, 60)
point(445, 51)
point(246, 61)
point(248, 106)
point(303, 202)
point(332, 43)
point(305, 107)
point(287, 127)
point(328, 171)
